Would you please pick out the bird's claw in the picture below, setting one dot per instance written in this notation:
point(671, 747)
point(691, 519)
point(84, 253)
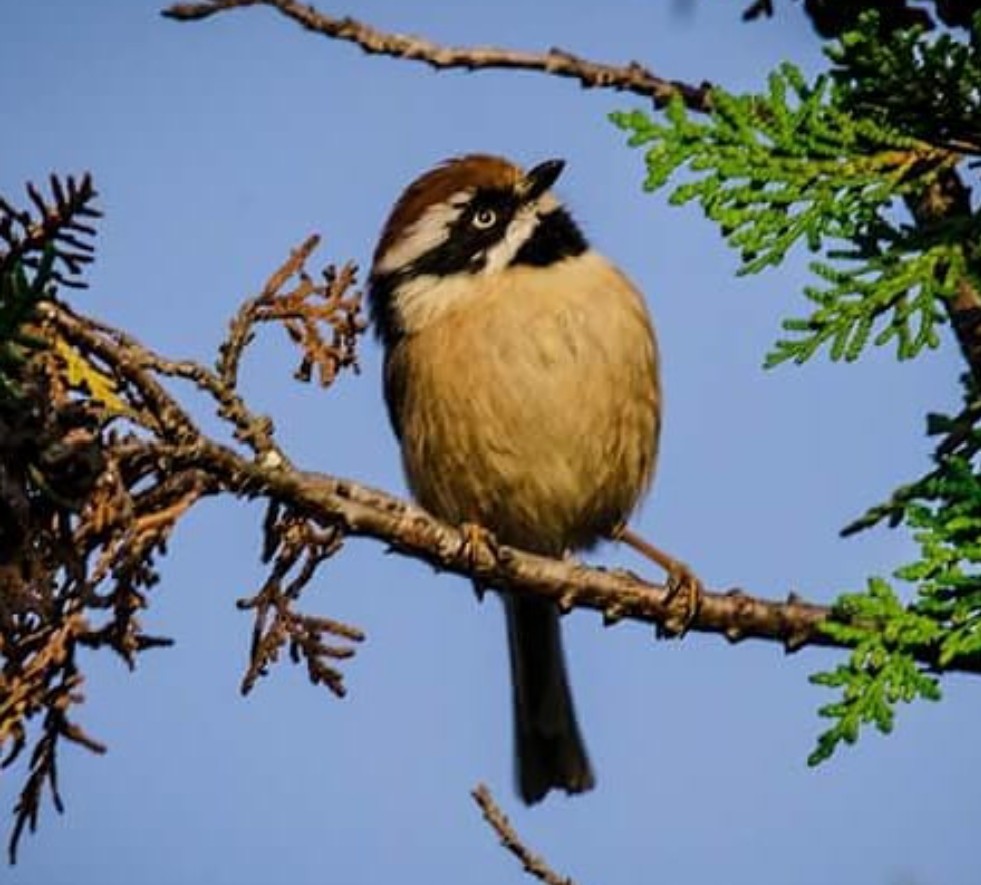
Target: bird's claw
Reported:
point(685, 591)
point(683, 600)
point(473, 535)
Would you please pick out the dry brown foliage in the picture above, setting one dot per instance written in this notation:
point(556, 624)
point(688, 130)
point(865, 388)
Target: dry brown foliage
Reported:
point(97, 466)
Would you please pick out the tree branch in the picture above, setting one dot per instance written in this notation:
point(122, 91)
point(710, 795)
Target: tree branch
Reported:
point(632, 77)
point(359, 510)
point(948, 200)
point(355, 509)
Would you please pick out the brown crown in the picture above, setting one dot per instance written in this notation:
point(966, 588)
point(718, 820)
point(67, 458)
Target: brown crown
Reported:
point(436, 185)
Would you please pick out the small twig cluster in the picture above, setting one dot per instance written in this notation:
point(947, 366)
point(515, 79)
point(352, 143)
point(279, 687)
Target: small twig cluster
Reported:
point(305, 311)
point(296, 545)
point(61, 224)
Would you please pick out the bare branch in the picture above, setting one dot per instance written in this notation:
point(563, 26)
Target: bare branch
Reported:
point(358, 510)
point(510, 839)
point(632, 77)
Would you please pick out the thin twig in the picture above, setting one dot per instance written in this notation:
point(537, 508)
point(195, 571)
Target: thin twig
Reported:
point(510, 839)
point(632, 77)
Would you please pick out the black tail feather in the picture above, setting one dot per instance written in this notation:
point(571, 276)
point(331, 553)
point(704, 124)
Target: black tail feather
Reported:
point(549, 749)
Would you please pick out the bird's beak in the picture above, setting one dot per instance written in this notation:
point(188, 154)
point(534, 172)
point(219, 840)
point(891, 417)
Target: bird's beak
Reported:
point(540, 179)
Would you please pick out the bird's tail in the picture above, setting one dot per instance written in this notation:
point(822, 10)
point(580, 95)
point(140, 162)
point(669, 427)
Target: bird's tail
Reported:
point(549, 750)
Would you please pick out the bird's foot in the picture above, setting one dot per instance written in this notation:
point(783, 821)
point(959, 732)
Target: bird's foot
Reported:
point(685, 591)
point(475, 535)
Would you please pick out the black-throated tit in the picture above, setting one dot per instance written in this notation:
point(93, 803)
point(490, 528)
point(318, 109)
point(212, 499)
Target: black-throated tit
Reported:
point(521, 377)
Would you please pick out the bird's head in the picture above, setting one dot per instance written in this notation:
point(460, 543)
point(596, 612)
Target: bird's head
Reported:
point(471, 216)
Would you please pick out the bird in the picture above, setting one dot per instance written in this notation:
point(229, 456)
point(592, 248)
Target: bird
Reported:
point(521, 378)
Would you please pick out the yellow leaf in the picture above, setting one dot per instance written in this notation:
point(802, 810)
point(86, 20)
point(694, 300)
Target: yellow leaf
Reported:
point(80, 374)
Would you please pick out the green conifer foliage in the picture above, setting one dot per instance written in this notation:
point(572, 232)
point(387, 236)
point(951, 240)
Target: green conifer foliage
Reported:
point(839, 166)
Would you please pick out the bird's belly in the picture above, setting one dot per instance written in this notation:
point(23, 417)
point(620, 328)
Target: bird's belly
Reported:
point(543, 430)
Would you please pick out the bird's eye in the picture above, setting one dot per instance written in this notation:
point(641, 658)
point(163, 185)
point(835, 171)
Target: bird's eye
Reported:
point(484, 218)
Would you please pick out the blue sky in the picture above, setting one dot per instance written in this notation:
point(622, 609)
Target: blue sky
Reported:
point(220, 145)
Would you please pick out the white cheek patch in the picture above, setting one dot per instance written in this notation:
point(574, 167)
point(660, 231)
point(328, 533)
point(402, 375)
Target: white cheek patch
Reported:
point(428, 232)
point(519, 231)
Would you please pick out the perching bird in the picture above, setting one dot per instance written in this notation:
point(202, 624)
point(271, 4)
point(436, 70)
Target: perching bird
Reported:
point(521, 377)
